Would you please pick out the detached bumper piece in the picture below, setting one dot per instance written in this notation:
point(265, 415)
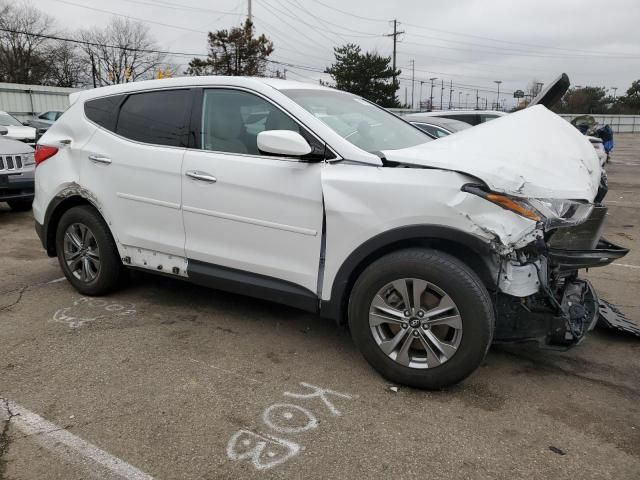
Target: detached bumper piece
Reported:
point(612, 318)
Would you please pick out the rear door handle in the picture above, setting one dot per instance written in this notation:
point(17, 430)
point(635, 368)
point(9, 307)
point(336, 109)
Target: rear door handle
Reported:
point(100, 159)
point(202, 176)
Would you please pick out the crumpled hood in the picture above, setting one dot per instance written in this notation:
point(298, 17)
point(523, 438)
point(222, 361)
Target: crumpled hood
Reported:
point(530, 153)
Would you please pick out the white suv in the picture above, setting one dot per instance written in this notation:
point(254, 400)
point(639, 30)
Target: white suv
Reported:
point(321, 200)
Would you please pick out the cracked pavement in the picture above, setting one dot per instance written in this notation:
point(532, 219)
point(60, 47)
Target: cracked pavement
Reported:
point(163, 374)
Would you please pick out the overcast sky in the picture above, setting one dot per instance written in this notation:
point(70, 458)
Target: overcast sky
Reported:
point(469, 42)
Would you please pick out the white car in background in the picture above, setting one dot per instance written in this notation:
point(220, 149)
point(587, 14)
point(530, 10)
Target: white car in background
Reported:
point(16, 130)
point(17, 166)
point(319, 199)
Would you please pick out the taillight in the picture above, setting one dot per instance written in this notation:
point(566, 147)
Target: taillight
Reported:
point(43, 152)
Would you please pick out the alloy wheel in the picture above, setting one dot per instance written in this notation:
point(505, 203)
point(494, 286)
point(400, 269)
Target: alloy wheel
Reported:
point(415, 323)
point(81, 252)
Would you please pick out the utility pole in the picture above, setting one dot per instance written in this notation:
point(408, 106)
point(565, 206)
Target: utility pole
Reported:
point(441, 92)
point(420, 96)
point(413, 81)
point(498, 99)
point(249, 16)
point(405, 97)
point(395, 41)
point(477, 100)
point(431, 94)
point(615, 89)
point(450, 92)
point(459, 99)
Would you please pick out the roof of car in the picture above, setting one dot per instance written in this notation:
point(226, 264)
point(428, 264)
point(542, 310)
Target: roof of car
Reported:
point(441, 113)
point(278, 84)
point(438, 121)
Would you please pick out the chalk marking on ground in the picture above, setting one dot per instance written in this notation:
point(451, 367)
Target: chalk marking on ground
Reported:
point(224, 370)
point(61, 279)
point(55, 438)
point(626, 265)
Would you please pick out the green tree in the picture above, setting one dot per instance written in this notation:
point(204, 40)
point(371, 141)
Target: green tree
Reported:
point(366, 74)
point(630, 102)
point(234, 52)
point(584, 100)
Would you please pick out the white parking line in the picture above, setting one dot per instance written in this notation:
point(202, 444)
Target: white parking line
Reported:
point(625, 265)
point(58, 440)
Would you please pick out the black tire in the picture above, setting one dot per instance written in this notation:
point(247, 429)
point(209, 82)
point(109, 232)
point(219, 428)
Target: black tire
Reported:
point(110, 272)
point(460, 283)
point(20, 205)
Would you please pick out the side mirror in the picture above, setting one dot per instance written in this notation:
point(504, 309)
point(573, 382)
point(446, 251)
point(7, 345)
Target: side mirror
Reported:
point(3, 130)
point(283, 142)
point(26, 124)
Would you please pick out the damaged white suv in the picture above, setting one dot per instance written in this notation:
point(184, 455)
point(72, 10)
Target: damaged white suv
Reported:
point(318, 199)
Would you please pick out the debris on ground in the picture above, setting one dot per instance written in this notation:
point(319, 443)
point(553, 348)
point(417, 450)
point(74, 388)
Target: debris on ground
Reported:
point(611, 317)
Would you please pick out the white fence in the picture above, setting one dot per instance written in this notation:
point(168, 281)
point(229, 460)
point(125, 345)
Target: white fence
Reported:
point(24, 101)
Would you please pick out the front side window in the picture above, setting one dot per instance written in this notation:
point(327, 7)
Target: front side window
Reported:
point(232, 119)
point(362, 123)
point(432, 130)
point(7, 120)
point(51, 116)
point(159, 117)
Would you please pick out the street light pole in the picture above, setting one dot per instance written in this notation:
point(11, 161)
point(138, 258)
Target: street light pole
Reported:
point(431, 94)
point(441, 92)
point(420, 97)
point(498, 99)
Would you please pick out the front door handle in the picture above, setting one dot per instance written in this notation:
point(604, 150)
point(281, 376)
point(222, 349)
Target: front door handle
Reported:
point(100, 159)
point(202, 176)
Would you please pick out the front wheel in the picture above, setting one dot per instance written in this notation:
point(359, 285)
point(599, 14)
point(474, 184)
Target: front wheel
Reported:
point(421, 318)
point(86, 251)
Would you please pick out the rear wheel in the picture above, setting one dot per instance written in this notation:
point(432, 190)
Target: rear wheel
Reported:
point(421, 318)
point(20, 205)
point(87, 253)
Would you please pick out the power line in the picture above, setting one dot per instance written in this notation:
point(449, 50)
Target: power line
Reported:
point(480, 37)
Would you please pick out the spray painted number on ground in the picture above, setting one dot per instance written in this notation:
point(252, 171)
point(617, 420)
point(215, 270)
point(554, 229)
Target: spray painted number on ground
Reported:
point(85, 310)
point(267, 449)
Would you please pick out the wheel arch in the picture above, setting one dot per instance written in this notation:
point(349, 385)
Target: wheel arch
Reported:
point(474, 251)
point(58, 206)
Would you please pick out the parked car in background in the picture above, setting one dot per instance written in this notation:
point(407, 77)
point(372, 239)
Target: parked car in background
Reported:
point(436, 126)
point(17, 167)
point(322, 200)
point(472, 117)
point(45, 120)
point(16, 130)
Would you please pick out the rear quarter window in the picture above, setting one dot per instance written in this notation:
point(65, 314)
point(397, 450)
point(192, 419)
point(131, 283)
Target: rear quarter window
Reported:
point(159, 117)
point(104, 111)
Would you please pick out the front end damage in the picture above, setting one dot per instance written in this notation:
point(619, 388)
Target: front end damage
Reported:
point(540, 296)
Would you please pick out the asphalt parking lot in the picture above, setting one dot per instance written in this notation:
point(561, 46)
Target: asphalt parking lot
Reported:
point(168, 380)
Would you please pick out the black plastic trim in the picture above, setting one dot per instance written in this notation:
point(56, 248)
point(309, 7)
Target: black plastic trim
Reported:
point(379, 245)
point(604, 253)
point(251, 284)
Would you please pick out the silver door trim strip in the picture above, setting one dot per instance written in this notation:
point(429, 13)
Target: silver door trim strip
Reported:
point(152, 201)
point(252, 221)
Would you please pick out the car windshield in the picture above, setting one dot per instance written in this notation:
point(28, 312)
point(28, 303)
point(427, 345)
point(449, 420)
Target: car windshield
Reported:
point(362, 123)
point(7, 120)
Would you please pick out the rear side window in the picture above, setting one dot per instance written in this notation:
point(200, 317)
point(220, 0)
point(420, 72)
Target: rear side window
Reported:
point(104, 111)
point(156, 117)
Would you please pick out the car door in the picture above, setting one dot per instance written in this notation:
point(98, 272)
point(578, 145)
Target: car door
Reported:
point(132, 165)
point(258, 216)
